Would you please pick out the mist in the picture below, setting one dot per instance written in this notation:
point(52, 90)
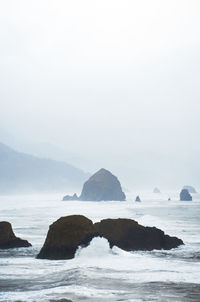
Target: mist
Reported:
point(111, 84)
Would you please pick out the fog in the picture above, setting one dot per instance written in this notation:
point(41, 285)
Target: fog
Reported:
point(108, 83)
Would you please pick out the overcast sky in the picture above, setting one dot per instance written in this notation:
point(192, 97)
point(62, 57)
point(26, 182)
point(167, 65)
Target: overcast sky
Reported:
point(115, 82)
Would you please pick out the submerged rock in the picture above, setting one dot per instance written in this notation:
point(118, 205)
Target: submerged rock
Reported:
point(138, 199)
point(8, 239)
point(156, 190)
point(128, 235)
point(185, 195)
point(65, 235)
point(68, 233)
point(190, 189)
point(69, 197)
point(103, 185)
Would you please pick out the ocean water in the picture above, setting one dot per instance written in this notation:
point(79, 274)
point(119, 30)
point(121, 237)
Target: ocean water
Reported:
point(99, 273)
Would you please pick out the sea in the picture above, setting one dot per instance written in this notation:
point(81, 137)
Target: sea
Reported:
point(98, 273)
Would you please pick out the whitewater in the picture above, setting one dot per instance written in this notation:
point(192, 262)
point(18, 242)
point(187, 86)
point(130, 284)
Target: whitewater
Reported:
point(98, 273)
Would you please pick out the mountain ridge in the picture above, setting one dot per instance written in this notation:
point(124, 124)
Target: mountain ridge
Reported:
point(25, 172)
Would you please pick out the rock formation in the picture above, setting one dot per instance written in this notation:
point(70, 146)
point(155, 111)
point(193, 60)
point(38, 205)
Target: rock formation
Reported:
point(68, 197)
point(138, 199)
point(156, 190)
point(65, 235)
point(190, 189)
point(8, 239)
point(128, 235)
point(68, 233)
point(185, 195)
point(103, 185)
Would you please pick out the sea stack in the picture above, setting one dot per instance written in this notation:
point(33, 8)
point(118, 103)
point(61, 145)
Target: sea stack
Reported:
point(103, 185)
point(138, 199)
point(69, 197)
point(69, 233)
point(65, 235)
point(8, 239)
point(185, 195)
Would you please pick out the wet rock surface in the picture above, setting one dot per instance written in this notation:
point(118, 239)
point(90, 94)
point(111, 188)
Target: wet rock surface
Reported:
point(65, 235)
point(8, 239)
point(68, 233)
point(128, 235)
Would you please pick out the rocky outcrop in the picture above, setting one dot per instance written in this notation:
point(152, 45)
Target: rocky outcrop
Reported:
point(156, 190)
point(190, 189)
point(103, 185)
point(8, 239)
point(138, 199)
point(68, 233)
point(128, 235)
point(69, 197)
point(65, 235)
point(185, 195)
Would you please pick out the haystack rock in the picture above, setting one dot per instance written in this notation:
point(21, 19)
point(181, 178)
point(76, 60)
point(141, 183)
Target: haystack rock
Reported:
point(65, 235)
point(156, 190)
point(8, 239)
point(138, 199)
point(68, 233)
point(185, 195)
point(69, 197)
point(103, 185)
point(190, 189)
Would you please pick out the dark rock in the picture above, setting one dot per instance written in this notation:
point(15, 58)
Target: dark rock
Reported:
point(190, 189)
point(68, 233)
point(128, 235)
point(69, 197)
point(185, 195)
point(103, 185)
point(8, 239)
point(65, 235)
point(169, 199)
point(156, 190)
point(138, 199)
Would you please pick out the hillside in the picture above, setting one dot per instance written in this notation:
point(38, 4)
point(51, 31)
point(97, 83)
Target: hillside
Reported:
point(20, 172)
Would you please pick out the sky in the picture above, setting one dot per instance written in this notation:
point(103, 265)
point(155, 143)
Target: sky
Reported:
point(110, 83)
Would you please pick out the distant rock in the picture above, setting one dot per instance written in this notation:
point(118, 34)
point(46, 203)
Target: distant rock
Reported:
point(169, 199)
point(190, 189)
point(138, 199)
point(68, 233)
point(69, 197)
point(65, 235)
point(103, 185)
point(156, 190)
point(128, 235)
point(185, 195)
point(8, 239)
